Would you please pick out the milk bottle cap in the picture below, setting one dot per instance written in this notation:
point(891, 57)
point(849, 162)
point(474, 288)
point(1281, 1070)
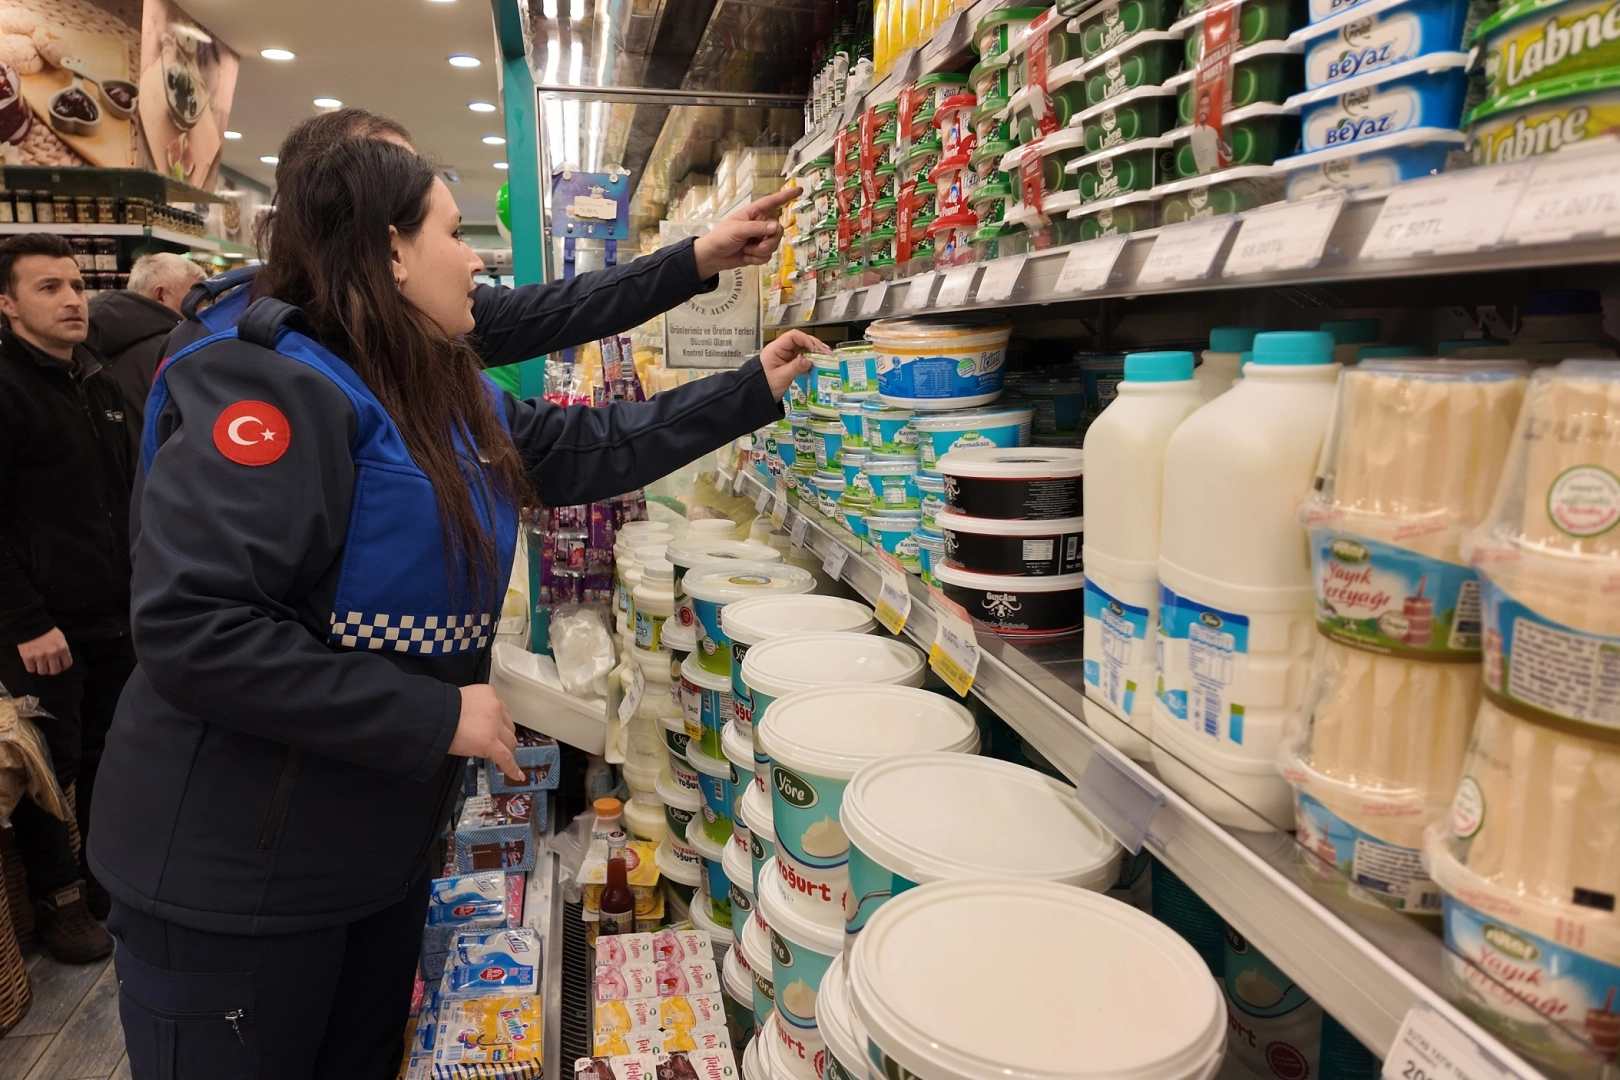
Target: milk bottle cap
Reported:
point(1293, 347)
point(1146, 367)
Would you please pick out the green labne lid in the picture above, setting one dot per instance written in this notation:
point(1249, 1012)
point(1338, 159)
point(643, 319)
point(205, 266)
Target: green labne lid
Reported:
point(991, 189)
point(884, 106)
point(984, 67)
point(988, 107)
point(1581, 82)
point(1006, 15)
point(991, 148)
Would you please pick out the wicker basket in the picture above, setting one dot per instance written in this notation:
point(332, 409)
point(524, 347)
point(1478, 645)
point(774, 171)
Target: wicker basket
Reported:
point(15, 994)
point(16, 882)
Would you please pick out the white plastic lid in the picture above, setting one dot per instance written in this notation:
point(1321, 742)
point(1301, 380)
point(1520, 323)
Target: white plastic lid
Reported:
point(645, 818)
point(699, 841)
point(739, 869)
point(698, 675)
point(834, 730)
point(932, 817)
point(840, 1028)
point(645, 551)
point(702, 550)
point(708, 766)
point(731, 581)
point(989, 980)
point(671, 866)
point(752, 621)
point(967, 579)
point(739, 987)
point(758, 812)
point(797, 662)
point(962, 523)
point(739, 750)
point(678, 797)
point(756, 946)
point(963, 419)
point(783, 918)
point(1013, 463)
point(654, 665)
point(676, 724)
point(774, 1056)
point(658, 572)
point(678, 638)
point(633, 532)
point(710, 529)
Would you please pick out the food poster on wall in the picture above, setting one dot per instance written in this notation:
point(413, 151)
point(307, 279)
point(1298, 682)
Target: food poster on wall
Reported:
point(718, 329)
point(68, 93)
point(239, 218)
point(187, 80)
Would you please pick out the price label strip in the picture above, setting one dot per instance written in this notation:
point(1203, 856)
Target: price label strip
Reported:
point(1283, 236)
point(762, 501)
point(1090, 264)
point(841, 303)
point(801, 528)
point(806, 294)
point(1458, 212)
point(773, 314)
point(894, 595)
point(1569, 195)
point(779, 511)
point(1186, 252)
point(1430, 1047)
point(920, 292)
point(872, 302)
point(955, 286)
point(632, 697)
point(833, 564)
point(1000, 278)
point(955, 652)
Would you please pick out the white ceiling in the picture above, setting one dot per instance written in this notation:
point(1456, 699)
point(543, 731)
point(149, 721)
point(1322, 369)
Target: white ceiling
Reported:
point(389, 56)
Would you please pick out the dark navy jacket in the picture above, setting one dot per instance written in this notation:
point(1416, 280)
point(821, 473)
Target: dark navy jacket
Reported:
point(258, 779)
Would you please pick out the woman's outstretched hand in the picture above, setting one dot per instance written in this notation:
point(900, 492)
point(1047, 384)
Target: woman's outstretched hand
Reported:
point(746, 238)
point(485, 730)
point(785, 359)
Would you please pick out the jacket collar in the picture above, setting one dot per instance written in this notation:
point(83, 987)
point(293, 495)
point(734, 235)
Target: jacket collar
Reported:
point(85, 362)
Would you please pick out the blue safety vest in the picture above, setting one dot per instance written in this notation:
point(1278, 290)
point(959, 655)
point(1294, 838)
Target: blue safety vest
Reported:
point(393, 589)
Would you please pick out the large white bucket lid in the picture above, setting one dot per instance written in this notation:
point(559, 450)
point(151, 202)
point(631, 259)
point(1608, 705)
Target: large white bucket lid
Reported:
point(672, 794)
point(736, 980)
point(756, 946)
point(832, 731)
point(988, 980)
point(758, 813)
point(728, 582)
point(840, 1028)
point(783, 918)
point(800, 661)
point(752, 621)
point(942, 817)
point(702, 550)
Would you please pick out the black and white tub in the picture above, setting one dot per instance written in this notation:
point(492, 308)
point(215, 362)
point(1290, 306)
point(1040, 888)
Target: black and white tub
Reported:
point(1014, 548)
point(1034, 482)
point(1017, 606)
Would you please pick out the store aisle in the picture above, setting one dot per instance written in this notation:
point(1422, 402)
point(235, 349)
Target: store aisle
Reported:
point(71, 1032)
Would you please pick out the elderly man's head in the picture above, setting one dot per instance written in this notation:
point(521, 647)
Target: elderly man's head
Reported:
point(164, 277)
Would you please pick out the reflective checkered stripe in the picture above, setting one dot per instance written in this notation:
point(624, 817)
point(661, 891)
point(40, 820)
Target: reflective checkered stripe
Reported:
point(426, 635)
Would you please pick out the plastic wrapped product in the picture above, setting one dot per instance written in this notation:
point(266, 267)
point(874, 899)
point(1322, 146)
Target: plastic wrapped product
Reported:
point(1226, 192)
point(1373, 164)
point(1523, 123)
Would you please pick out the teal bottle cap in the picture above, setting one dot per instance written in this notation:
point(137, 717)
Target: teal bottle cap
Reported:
point(1294, 347)
point(1146, 367)
point(1238, 339)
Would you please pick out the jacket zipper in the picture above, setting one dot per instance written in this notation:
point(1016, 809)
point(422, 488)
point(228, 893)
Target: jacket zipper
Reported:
point(279, 799)
point(233, 1018)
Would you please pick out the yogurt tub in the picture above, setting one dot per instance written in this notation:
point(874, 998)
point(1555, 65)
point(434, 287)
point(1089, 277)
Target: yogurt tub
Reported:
point(1524, 123)
point(1376, 35)
point(967, 1013)
point(740, 873)
point(1109, 217)
point(756, 807)
point(740, 838)
point(988, 79)
point(1536, 41)
point(989, 202)
point(893, 532)
point(941, 433)
point(1017, 606)
point(885, 428)
point(857, 368)
point(738, 740)
point(849, 414)
point(1037, 483)
point(682, 876)
point(824, 382)
point(931, 494)
point(712, 587)
point(738, 983)
point(714, 887)
point(941, 817)
point(1144, 113)
point(853, 513)
point(708, 705)
point(1143, 60)
point(1012, 548)
point(990, 120)
point(827, 440)
point(693, 552)
point(801, 951)
point(783, 1054)
point(749, 622)
point(1124, 169)
point(706, 919)
point(1112, 23)
point(718, 783)
point(841, 1030)
point(930, 553)
point(1229, 191)
point(816, 740)
point(953, 237)
point(645, 819)
point(756, 948)
point(681, 773)
point(1426, 92)
point(1057, 406)
point(850, 460)
point(798, 394)
point(1376, 163)
point(953, 121)
point(940, 363)
point(893, 482)
point(681, 806)
point(828, 485)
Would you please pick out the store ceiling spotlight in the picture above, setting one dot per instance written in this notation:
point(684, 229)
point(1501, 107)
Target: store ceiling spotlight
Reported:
point(481, 106)
point(328, 103)
point(232, 134)
point(276, 54)
point(501, 165)
point(462, 60)
point(270, 159)
point(494, 140)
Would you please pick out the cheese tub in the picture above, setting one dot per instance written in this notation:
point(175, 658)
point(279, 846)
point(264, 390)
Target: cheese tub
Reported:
point(996, 32)
point(750, 622)
point(1034, 483)
point(1255, 135)
point(1234, 190)
point(1012, 548)
point(1065, 90)
point(1523, 123)
point(1017, 606)
point(1124, 169)
point(1106, 217)
point(1257, 20)
point(940, 433)
point(1426, 92)
point(1376, 163)
point(940, 363)
point(1144, 60)
point(1113, 22)
point(1143, 113)
point(1265, 71)
point(1530, 42)
point(1379, 34)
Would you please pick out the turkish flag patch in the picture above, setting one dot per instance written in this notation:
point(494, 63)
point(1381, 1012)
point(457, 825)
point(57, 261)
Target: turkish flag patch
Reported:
point(252, 433)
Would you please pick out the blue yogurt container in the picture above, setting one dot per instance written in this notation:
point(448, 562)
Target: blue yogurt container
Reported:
point(941, 363)
point(1376, 163)
point(940, 433)
point(1426, 92)
point(895, 533)
point(886, 429)
point(894, 483)
point(1379, 35)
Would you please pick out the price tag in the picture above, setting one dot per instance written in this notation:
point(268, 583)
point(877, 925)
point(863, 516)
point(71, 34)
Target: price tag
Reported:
point(1430, 1047)
point(835, 560)
point(905, 68)
point(920, 292)
point(801, 528)
point(872, 302)
point(1091, 264)
point(894, 595)
point(955, 286)
point(841, 303)
point(1283, 236)
point(773, 314)
point(632, 697)
point(1569, 195)
point(1457, 212)
point(724, 483)
point(779, 510)
point(1186, 252)
point(762, 501)
point(806, 294)
point(1000, 277)
point(955, 653)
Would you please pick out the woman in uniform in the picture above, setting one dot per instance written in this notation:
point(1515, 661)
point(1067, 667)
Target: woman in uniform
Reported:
point(327, 524)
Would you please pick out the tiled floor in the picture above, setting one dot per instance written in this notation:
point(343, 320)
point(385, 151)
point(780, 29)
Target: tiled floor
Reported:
point(71, 1032)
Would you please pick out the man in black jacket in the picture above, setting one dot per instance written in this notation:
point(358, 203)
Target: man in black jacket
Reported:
point(65, 472)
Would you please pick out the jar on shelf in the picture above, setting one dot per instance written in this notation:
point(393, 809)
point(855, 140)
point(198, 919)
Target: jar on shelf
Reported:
point(44, 208)
point(84, 209)
point(8, 209)
point(137, 211)
point(61, 207)
point(23, 206)
point(83, 254)
point(106, 210)
point(106, 249)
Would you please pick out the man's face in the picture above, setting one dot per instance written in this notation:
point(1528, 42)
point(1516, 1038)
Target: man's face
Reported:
point(46, 302)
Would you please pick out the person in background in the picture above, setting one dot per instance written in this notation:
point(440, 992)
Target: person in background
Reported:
point(128, 326)
point(65, 474)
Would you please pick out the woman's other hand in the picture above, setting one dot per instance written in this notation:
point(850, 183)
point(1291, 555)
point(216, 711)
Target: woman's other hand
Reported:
point(485, 730)
point(785, 359)
point(746, 238)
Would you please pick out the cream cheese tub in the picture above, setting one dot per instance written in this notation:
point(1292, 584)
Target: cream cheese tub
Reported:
point(941, 433)
point(940, 363)
point(816, 740)
point(717, 782)
point(1013, 548)
point(1531, 42)
point(1376, 35)
point(712, 587)
point(801, 950)
point(943, 817)
point(1113, 988)
point(756, 948)
point(755, 807)
point(1036, 483)
point(1017, 606)
point(841, 1029)
point(681, 807)
point(749, 622)
point(801, 661)
point(740, 875)
point(714, 887)
point(706, 701)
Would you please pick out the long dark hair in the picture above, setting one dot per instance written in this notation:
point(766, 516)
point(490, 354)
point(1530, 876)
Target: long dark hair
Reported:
point(330, 256)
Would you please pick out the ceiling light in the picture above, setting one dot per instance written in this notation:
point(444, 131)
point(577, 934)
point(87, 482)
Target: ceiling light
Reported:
point(494, 140)
point(500, 165)
point(328, 103)
point(549, 8)
point(270, 159)
point(462, 60)
point(233, 134)
point(275, 54)
point(238, 254)
point(481, 106)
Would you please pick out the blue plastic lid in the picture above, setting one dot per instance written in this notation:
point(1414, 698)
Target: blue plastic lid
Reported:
point(1238, 339)
point(1146, 367)
point(1564, 302)
point(1351, 331)
point(1374, 352)
point(1294, 347)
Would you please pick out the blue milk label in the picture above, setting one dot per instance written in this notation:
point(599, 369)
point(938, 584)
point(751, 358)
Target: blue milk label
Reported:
point(871, 885)
point(1390, 600)
point(1114, 645)
point(1377, 871)
point(1538, 669)
point(1203, 655)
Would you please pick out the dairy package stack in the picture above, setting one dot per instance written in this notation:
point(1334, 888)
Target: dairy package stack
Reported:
point(1527, 860)
point(481, 1017)
point(658, 1010)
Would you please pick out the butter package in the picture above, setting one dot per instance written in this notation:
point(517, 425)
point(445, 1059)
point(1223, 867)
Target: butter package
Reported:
point(488, 1037)
point(455, 904)
point(619, 948)
point(686, 977)
point(503, 963)
point(627, 982)
point(682, 945)
point(539, 758)
point(624, 1067)
point(497, 832)
point(688, 1012)
point(622, 1017)
point(620, 1043)
point(701, 1039)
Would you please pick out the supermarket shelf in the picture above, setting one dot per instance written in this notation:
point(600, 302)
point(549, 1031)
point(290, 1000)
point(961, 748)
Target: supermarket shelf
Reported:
point(1366, 965)
point(551, 958)
point(195, 243)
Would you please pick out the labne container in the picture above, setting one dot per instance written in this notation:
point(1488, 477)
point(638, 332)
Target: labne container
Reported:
point(1228, 191)
point(1012, 548)
point(1146, 59)
point(712, 587)
point(1531, 42)
point(1540, 119)
point(1264, 20)
point(1144, 113)
point(1265, 71)
point(1109, 24)
point(940, 363)
point(1038, 483)
point(1257, 134)
point(919, 818)
point(801, 950)
point(1016, 606)
point(1124, 169)
point(749, 622)
point(1109, 217)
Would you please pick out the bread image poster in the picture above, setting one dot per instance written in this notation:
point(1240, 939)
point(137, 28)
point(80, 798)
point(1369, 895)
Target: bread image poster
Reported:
point(112, 84)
